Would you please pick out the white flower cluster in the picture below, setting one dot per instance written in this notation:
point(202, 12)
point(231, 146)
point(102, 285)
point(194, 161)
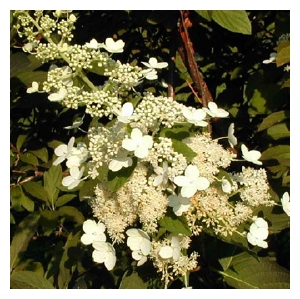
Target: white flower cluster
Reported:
point(150, 159)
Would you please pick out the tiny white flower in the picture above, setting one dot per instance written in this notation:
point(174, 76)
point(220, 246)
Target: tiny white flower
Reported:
point(162, 175)
point(139, 242)
point(93, 232)
point(251, 156)
point(195, 116)
point(58, 96)
point(271, 59)
point(64, 151)
point(214, 111)
point(191, 182)
point(153, 64)
point(30, 46)
point(231, 138)
point(113, 46)
point(74, 178)
point(138, 143)
point(285, 201)
point(104, 253)
point(120, 161)
point(258, 233)
point(126, 114)
point(179, 204)
point(34, 87)
point(63, 48)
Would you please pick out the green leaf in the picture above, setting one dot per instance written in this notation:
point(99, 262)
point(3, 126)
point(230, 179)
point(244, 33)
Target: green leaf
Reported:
point(29, 280)
point(273, 119)
point(283, 54)
point(233, 20)
point(52, 180)
point(206, 14)
point(117, 179)
point(27, 203)
point(247, 272)
point(278, 152)
point(16, 194)
point(71, 214)
point(41, 154)
point(184, 149)
point(49, 221)
point(175, 224)
point(62, 200)
point(87, 189)
point(131, 280)
point(29, 158)
point(20, 141)
point(279, 131)
point(36, 190)
point(71, 255)
point(25, 230)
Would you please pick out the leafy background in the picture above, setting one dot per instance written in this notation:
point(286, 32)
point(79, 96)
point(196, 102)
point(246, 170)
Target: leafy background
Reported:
point(46, 219)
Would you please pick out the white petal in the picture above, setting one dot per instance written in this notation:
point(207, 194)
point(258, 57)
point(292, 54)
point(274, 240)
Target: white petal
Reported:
point(87, 239)
point(202, 183)
point(181, 181)
point(67, 181)
point(127, 109)
point(192, 172)
point(110, 261)
point(61, 150)
point(114, 165)
point(136, 255)
point(141, 151)
point(142, 261)
point(166, 252)
point(89, 226)
point(147, 141)
point(134, 243)
point(188, 191)
point(99, 256)
point(145, 246)
point(129, 144)
point(136, 134)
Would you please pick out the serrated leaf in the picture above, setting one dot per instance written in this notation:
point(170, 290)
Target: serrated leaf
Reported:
point(41, 154)
point(29, 280)
point(25, 230)
point(29, 158)
point(273, 119)
point(71, 214)
point(69, 259)
point(248, 272)
point(62, 200)
point(36, 190)
point(117, 179)
point(132, 281)
point(175, 224)
point(233, 20)
point(20, 141)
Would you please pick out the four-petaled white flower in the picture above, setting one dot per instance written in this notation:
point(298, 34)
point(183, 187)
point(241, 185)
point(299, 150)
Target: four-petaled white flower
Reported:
point(285, 201)
point(125, 115)
point(251, 156)
point(113, 46)
point(195, 116)
point(162, 175)
point(93, 232)
point(93, 44)
point(191, 182)
point(139, 242)
point(58, 96)
point(153, 64)
point(231, 138)
point(150, 74)
point(138, 143)
point(78, 155)
point(171, 251)
point(179, 204)
point(104, 253)
point(258, 233)
point(120, 161)
point(34, 87)
point(214, 111)
point(74, 178)
point(64, 151)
